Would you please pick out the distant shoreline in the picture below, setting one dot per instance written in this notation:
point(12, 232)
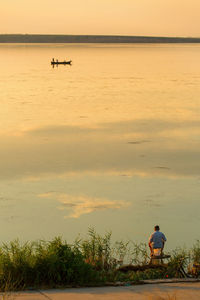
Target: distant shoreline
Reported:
point(51, 38)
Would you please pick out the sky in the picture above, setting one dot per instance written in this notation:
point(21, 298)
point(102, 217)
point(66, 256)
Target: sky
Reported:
point(109, 17)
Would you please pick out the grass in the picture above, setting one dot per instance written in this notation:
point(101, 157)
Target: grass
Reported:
point(87, 262)
point(49, 264)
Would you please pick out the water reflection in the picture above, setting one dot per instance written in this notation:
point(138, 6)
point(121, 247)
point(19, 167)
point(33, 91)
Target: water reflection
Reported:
point(107, 141)
point(148, 147)
point(79, 205)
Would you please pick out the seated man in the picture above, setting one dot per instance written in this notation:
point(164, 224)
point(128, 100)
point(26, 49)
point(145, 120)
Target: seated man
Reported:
point(156, 242)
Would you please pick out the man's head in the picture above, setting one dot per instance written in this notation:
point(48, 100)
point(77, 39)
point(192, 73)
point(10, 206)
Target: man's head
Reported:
point(156, 228)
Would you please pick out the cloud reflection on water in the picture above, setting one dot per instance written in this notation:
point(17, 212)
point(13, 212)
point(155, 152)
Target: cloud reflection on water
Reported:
point(79, 205)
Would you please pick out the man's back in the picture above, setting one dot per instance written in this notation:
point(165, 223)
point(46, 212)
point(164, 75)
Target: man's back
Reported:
point(157, 239)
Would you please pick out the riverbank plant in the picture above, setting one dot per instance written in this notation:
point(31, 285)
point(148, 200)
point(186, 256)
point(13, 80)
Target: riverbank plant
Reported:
point(91, 261)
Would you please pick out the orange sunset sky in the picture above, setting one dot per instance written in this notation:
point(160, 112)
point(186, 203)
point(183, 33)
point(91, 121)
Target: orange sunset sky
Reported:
point(125, 17)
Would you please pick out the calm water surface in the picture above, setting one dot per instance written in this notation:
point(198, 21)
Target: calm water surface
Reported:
point(110, 142)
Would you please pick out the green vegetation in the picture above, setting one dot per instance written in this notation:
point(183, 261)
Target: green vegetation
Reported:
point(87, 262)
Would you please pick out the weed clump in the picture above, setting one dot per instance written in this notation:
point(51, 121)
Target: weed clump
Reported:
point(47, 264)
point(94, 260)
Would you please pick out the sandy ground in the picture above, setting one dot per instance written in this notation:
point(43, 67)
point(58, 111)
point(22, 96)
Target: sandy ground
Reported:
point(182, 291)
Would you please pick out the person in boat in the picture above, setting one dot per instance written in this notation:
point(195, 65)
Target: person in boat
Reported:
point(53, 60)
point(157, 242)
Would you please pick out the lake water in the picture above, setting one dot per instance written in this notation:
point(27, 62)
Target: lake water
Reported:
point(111, 142)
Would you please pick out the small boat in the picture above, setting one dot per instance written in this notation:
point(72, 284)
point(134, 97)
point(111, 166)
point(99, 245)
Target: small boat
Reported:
point(56, 62)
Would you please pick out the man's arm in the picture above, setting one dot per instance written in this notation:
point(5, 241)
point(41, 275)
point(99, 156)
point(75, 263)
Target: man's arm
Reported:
point(150, 246)
point(163, 245)
point(163, 242)
point(151, 249)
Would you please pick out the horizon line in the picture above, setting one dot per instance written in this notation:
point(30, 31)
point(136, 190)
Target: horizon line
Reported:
point(109, 35)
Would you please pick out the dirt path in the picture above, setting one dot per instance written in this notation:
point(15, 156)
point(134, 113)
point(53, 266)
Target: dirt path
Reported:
point(178, 291)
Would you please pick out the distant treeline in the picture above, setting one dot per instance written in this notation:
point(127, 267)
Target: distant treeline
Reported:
point(41, 38)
